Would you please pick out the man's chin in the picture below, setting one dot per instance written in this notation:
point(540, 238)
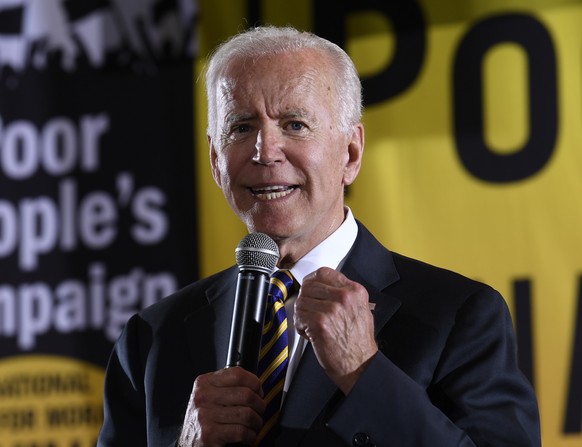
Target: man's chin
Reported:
point(276, 227)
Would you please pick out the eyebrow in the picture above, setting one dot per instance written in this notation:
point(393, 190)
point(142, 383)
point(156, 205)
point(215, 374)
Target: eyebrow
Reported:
point(300, 113)
point(241, 117)
point(238, 117)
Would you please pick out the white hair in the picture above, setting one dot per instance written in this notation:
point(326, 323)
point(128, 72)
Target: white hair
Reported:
point(270, 40)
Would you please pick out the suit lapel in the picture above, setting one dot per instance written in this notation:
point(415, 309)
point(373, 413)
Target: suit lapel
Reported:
point(310, 391)
point(372, 265)
point(208, 327)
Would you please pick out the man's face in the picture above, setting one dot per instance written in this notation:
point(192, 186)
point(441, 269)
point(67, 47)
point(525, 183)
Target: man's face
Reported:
point(280, 159)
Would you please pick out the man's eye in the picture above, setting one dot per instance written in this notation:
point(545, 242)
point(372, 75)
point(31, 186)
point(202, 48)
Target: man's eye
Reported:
point(241, 128)
point(236, 132)
point(296, 125)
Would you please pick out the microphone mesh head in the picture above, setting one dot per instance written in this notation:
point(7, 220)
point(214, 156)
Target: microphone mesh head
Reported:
point(257, 251)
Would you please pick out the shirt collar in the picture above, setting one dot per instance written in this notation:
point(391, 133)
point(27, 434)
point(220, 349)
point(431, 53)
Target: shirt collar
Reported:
point(331, 252)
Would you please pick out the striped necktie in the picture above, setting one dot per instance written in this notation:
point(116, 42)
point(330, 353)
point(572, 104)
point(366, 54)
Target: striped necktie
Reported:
point(274, 354)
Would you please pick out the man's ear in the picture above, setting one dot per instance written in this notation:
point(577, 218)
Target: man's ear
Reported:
point(355, 152)
point(214, 163)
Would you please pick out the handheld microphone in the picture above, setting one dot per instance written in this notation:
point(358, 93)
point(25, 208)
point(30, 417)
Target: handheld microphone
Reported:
point(256, 256)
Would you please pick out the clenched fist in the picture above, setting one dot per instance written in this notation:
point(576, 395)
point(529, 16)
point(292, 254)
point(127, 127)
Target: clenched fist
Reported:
point(332, 312)
point(225, 407)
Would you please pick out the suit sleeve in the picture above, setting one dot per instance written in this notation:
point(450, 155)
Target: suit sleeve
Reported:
point(124, 398)
point(477, 396)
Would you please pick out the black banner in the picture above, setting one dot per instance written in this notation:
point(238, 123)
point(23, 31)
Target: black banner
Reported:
point(97, 201)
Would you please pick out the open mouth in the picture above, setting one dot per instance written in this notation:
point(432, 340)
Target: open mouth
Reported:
point(272, 192)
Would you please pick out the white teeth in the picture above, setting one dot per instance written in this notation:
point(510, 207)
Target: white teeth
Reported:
point(271, 188)
point(272, 192)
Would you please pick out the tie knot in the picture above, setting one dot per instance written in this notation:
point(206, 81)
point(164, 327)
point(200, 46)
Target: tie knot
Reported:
point(282, 285)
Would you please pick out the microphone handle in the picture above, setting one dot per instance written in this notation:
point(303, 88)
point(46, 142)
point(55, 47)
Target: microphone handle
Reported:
point(247, 321)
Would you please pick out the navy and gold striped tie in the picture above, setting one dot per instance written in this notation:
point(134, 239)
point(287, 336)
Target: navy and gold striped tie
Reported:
point(274, 354)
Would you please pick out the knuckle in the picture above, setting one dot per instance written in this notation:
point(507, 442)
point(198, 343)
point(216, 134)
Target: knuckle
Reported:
point(203, 418)
point(201, 381)
point(207, 436)
point(233, 373)
point(246, 416)
point(319, 321)
point(299, 304)
point(244, 395)
point(343, 296)
point(199, 400)
point(199, 397)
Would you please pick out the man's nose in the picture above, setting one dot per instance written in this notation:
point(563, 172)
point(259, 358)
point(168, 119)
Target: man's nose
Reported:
point(268, 147)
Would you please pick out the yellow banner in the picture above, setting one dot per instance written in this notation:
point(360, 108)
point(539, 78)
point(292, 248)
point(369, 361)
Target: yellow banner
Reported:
point(473, 158)
point(50, 401)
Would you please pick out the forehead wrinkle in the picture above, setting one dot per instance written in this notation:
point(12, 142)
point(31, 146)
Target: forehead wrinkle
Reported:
point(227, 102)
point(225, 85)
point(308, 80)
point(226, 88)
point(304, 84)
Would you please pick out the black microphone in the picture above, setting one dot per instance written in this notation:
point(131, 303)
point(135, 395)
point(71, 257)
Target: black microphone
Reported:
point(256, 256)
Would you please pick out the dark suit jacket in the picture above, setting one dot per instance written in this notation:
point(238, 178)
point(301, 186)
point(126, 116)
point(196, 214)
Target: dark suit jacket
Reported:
point(446, 373)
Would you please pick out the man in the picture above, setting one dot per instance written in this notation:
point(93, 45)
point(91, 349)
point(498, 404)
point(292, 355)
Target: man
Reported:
point(385, 350)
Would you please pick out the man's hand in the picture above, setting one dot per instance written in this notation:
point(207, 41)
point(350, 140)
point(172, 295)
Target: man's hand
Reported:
point(225, 407)
point(332, 312)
